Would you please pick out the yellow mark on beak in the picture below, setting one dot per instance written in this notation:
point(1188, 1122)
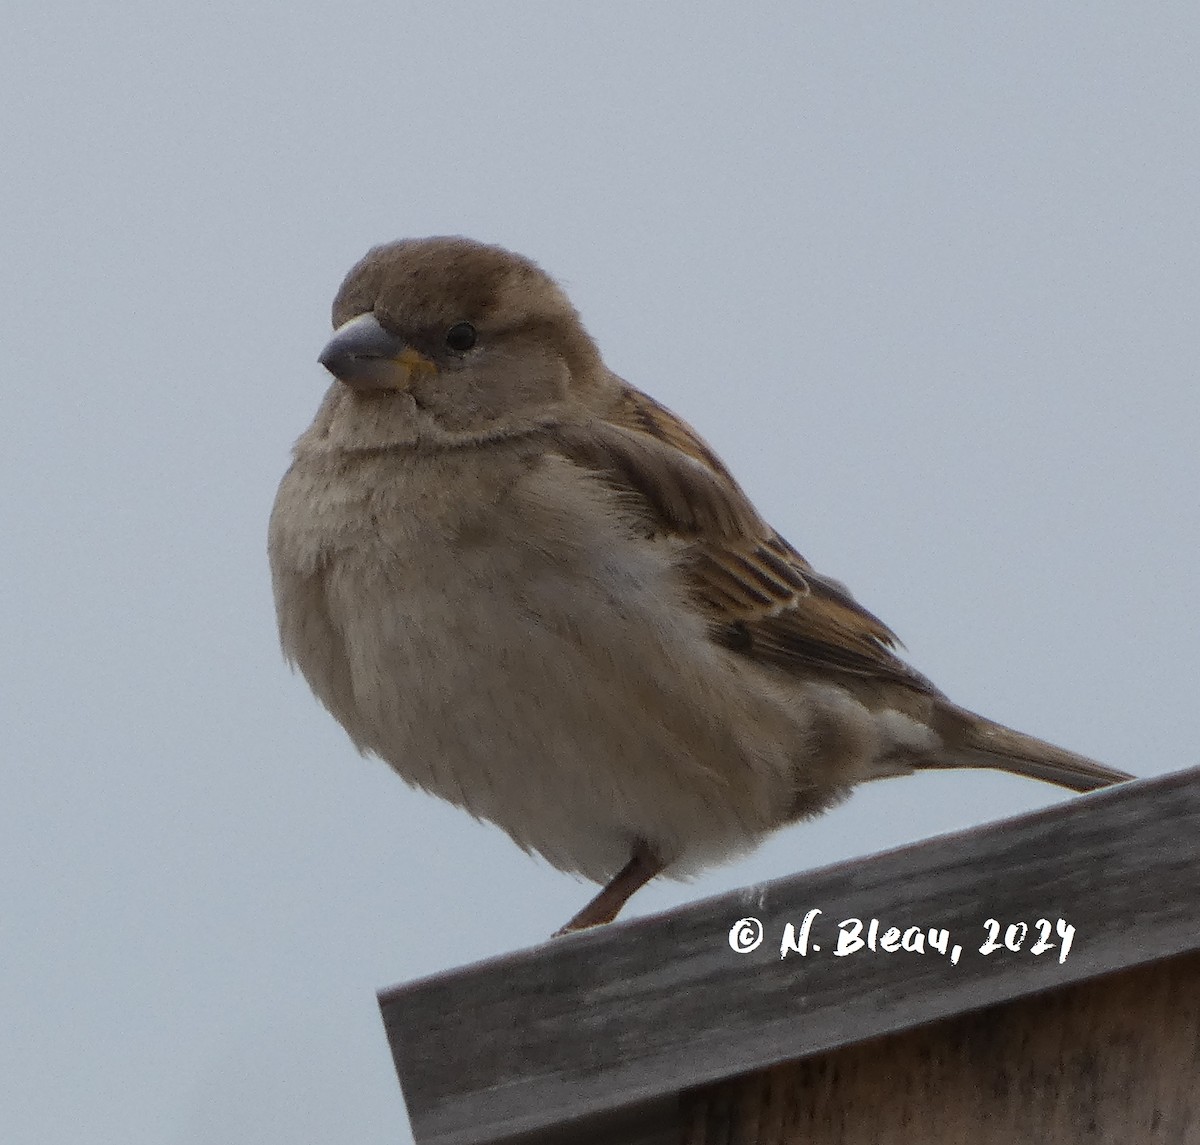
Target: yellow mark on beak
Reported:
point(364, 356)
point(415, 363)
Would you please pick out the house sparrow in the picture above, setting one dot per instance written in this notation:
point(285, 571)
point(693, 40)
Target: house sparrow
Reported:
point(536, 592)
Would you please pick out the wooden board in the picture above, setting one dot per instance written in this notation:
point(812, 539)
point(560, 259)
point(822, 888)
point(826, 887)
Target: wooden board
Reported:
point(1111, 1061)
point(551, 1043)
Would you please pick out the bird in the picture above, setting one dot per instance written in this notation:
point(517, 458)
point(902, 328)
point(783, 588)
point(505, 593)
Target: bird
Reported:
point(537, 593)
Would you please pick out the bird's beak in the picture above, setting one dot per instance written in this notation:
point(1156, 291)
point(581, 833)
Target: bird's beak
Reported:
point(363, 355)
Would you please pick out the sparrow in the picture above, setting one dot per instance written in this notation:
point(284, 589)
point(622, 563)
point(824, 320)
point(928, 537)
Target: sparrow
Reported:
point(537, 593)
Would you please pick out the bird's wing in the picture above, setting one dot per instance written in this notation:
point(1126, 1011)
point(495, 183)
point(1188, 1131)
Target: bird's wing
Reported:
point(762, 598)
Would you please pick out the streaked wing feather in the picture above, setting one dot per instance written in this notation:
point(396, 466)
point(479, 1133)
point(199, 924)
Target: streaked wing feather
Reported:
point(762, 598)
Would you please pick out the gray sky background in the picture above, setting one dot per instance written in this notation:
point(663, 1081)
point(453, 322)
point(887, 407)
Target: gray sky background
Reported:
point(925, 275)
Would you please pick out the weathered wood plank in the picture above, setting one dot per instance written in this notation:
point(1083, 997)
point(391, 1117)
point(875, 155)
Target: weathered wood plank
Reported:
point(634, 1012)
point(1110, 1061)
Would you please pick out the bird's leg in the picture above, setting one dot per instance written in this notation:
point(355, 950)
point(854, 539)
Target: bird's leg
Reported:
point(643, 865)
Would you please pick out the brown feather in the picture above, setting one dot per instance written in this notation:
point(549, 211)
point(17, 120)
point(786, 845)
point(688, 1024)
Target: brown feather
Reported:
point(761, 597)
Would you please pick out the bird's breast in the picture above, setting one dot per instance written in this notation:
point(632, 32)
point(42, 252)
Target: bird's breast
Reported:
point(509, 642)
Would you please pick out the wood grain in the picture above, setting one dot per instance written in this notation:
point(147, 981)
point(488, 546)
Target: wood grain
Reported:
point(548, 1043)
point(1106, 1062)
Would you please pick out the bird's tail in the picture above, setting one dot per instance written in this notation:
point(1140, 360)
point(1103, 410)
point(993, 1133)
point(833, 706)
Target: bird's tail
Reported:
point(973, 741)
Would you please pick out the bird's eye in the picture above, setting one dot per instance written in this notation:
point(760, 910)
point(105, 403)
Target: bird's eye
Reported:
point(460, 337)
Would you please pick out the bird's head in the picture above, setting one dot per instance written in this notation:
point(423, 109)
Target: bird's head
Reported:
point(454, 341)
